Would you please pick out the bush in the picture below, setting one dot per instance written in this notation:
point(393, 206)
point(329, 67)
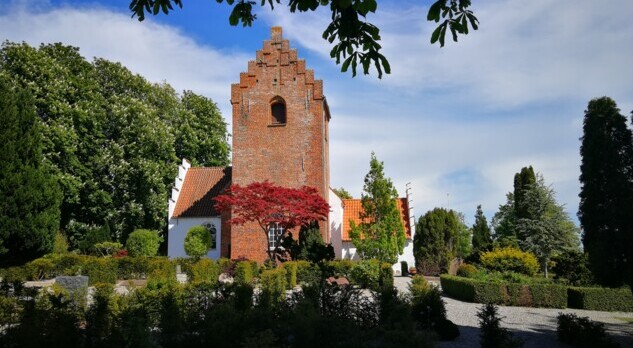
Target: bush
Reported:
point(60, 245)
point(404, 268)
point(204, 271)
point(601, 299)
point(532, 295)
point(571, 267)
point(340, 268)
point(366, 274)
point(386, 275)
point(107, 248)
point(510, 260)
point(427, 306)
point(198, 242)
point(492, 335)
point(308, 273)
point(93, 235)
point(100, 270)
point(273, 286)
point(133, 267)
point(143, 243)
point(466, 270)
point(243, 272)
point(291, 274)
point(582, 332)
point(446, 330)
point(38, 269)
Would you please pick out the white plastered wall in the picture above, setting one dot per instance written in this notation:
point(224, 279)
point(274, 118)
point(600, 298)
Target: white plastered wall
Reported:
point(336, 223)
point(178, 228)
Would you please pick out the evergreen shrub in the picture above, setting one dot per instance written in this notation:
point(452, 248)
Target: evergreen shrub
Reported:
point(510, 260)
point(601, 299)
point(100, 270)
point(582, 332)
point(340, 268)
point(243, 272)
point(386, 275)
point(308, 273)
point(197, 242)
point(204, 271)
point(273, 286)
point(291, 274)
point(38, 269)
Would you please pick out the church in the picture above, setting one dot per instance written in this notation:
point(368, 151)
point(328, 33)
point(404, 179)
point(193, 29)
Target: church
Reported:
point(280, 134)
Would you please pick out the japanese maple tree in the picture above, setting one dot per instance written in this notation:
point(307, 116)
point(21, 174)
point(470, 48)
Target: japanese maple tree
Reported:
point(266, 204)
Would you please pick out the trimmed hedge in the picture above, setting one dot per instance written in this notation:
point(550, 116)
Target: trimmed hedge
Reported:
point(534, 295)
point(601, 299)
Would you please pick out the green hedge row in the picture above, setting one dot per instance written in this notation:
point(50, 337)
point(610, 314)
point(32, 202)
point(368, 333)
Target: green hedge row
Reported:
point(601, 299)
point(534, 295)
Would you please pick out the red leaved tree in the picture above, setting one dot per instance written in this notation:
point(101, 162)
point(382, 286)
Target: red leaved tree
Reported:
point(267, 204)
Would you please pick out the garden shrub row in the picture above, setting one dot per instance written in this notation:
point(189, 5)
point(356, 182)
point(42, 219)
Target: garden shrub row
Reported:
point(601, 299)
point(366, 273)
point(528, 295)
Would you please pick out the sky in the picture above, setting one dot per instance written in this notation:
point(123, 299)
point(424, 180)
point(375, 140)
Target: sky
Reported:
point(456, 122)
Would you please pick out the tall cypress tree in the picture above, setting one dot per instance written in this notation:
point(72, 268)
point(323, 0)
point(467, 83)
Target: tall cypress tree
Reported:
point(606, 195)
point(29, 194)
point(523, 181)
point(482, 239)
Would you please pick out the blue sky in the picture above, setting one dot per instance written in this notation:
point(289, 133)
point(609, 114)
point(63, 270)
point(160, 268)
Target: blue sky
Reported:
point(457, 122)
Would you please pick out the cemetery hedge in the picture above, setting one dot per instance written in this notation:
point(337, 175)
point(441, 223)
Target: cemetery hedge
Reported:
point(510, 294)
point(601, 299)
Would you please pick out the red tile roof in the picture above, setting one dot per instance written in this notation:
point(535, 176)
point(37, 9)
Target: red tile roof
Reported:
point(201, 185)
point(352, 209)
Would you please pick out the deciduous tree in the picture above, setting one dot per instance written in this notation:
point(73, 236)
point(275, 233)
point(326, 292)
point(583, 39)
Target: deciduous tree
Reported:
point(547, 229)
point(357, 40)
point(380, 234)
point(266, 204)
point(606, 193)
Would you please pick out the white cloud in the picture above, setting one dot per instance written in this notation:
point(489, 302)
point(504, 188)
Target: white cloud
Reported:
point(157, 52)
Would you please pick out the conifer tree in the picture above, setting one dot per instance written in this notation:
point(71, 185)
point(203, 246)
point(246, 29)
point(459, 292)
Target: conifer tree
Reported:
point(482, 239)
point(434, 242)
point(29, 194)
point(523, 181)
point(606, 194)
point(381, 234)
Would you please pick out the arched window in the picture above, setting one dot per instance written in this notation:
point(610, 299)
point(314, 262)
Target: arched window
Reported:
point(278, 110)
point(213, 232)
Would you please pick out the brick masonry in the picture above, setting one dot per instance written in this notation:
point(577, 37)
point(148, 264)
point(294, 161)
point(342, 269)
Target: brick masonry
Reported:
point(293, 154)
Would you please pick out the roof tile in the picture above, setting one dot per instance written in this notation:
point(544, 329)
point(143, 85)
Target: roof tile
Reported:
point(201, 186)
point(352, 209)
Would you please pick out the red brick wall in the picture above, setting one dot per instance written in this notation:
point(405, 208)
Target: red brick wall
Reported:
point(291, 155)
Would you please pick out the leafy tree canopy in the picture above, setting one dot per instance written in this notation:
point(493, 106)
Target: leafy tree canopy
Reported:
point(355, 39)
point(380, 235)
point(265, 204)
point(342, 193)
point(112, 138)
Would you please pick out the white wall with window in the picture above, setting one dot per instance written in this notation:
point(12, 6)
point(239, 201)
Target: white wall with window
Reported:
point(178, 228)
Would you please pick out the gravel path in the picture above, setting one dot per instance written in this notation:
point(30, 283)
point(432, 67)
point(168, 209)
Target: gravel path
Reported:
point(536, 326)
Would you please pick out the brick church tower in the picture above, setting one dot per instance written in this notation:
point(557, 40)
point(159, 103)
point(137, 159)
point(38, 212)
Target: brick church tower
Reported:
point(280, 132)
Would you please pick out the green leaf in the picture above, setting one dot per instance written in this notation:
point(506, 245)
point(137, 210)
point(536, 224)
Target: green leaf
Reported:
point(434, 11)
point(436, 33)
